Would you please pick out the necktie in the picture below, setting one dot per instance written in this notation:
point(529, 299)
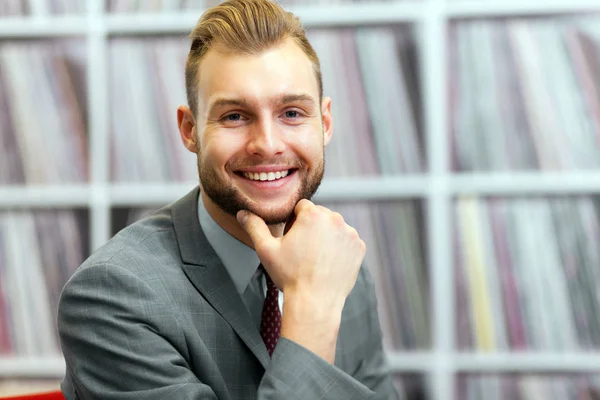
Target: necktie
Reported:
point(270, 322)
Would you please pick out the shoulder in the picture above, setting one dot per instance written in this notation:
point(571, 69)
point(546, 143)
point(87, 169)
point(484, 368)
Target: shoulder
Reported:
point(141, 245)
point(143, 254)
point(134, 272)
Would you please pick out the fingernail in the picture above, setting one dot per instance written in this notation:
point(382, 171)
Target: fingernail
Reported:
point(242, 216)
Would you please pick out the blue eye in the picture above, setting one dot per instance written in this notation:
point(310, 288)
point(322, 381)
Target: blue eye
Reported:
point(233, 117)
point(291, 114)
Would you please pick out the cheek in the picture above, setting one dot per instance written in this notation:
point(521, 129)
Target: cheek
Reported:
point(213, 156)
point(217, 150)
point(310, 143)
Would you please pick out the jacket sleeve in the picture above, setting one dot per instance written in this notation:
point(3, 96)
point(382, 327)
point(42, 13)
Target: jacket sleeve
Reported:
point(296, 373)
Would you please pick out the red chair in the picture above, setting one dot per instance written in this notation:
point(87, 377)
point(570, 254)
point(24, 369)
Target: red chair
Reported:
point(56, 395)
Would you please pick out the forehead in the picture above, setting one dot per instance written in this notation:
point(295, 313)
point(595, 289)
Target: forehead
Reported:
point(279, 70)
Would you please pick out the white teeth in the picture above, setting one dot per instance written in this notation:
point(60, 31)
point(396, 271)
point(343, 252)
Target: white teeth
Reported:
point(266, 176)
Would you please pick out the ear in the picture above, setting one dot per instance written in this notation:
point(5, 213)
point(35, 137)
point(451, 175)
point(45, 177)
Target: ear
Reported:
point(327, 120)
point(187, 128)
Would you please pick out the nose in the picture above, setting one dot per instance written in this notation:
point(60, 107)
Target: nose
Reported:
point(265, 139)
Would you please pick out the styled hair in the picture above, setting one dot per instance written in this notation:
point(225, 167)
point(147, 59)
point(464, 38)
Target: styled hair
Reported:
point(247, 27)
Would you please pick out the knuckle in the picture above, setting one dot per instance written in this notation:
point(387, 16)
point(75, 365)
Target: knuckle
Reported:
point(312, 211)
point(304, 203)
point(363, 246)
point(337, 219)
point(353, 233)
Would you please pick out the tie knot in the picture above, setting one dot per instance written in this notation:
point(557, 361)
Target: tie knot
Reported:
point(270, 284)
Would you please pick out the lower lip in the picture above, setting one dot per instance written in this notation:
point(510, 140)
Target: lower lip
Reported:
point(274, 184)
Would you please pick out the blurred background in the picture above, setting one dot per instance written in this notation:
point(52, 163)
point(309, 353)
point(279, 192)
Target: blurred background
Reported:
point(466, 152)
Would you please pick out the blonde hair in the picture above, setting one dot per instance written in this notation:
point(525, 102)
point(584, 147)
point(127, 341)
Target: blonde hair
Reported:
point(246, 26)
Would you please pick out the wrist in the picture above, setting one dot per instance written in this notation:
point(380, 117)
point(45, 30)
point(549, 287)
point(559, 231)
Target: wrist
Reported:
point(307, 322)
point(309, 308)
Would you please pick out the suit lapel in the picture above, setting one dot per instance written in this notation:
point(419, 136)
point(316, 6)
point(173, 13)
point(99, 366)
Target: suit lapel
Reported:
point(206, 272)
point(218, 289)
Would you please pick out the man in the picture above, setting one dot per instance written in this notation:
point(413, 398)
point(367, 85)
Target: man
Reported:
point(222, 295)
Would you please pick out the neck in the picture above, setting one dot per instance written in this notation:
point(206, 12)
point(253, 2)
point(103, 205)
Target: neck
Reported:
point(230, 223)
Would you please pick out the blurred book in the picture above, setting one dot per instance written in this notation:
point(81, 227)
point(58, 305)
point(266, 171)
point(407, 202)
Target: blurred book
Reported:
point(13, 8)
point(526, 274)
point(527, 387)
point(146, 87)
point(176, 5)
point(39, 251)
point(524, 94)
point(43, 117)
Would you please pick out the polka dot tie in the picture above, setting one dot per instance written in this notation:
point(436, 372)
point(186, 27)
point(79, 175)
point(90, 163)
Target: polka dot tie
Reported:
point(270, 322)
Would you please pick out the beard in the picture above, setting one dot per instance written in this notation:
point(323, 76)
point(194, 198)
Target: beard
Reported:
point(228, 198)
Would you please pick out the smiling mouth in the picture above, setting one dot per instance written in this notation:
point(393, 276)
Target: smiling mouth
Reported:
point(266, 176)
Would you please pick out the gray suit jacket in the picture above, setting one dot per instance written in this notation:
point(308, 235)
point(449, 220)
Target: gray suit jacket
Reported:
point(153, 314)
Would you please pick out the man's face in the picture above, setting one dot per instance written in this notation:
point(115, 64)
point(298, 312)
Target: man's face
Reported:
point(260, 130)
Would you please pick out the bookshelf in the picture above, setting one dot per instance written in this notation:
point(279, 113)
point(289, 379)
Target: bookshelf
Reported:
point(437, 187)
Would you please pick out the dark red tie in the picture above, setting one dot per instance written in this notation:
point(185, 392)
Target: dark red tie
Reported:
point(270, 322)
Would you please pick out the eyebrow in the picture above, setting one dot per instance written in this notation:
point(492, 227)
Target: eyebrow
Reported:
point(292, 98)
point(223, 102)
point(282, 100)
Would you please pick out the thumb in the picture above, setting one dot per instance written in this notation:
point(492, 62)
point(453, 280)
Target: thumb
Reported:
point(255, 227)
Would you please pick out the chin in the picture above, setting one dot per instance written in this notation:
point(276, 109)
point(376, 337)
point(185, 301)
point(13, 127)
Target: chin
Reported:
point(274, 216)
point(274, 213)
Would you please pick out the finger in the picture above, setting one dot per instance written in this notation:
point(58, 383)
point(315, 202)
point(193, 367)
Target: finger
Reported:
point(255, 227)
point(303, 204)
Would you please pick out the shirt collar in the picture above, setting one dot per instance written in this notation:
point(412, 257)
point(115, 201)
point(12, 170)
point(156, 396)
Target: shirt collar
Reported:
point(240, 261)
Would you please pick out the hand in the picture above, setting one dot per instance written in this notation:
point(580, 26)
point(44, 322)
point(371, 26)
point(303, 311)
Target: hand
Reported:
point(318, 259)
